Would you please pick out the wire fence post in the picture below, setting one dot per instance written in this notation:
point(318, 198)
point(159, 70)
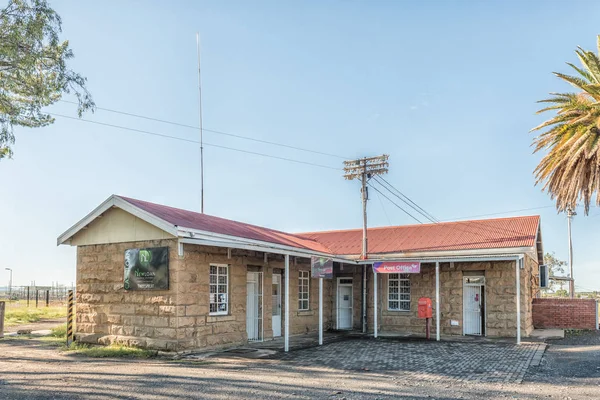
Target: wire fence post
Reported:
point(27, 296)
point(70, 319)
point(47, 298)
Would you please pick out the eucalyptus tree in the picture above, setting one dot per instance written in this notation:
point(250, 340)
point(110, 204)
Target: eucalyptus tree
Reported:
point(33, 69)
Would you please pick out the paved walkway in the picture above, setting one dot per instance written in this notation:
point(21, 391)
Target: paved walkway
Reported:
point(422, 360)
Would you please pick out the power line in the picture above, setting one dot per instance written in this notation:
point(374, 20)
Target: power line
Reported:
point(410, 203)
point(406, 212)
point(499, 213)
point(422, 211)
point(213, 131)
point(195, 141)
point(383, 208)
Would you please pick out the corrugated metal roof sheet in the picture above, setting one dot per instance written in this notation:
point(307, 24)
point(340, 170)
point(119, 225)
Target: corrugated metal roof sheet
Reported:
point(463, 235)
point(208, 223)
point(445, 236)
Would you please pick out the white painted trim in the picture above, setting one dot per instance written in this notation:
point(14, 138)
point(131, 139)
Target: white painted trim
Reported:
point(518, 298)
point(228, 289)
point(449, 256)
point(254, 247)
point(180, 252)
point(309, 285)
point(320, 311)
point(116, 201)
point(437, 301)
point(375, 304)
point(484, 315)
point(296, 251)
point(387, 300)
point(286, 339)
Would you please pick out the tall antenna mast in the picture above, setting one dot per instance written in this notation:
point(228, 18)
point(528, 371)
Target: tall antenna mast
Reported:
point(200, 116)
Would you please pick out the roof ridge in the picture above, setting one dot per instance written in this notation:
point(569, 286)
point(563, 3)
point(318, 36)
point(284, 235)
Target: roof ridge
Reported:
point(411, 225)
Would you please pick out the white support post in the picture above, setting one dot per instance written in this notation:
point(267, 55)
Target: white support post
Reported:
point(374, 304)
point(437, 301)
point(518, 283)
point(320, 311)
point(287, 304)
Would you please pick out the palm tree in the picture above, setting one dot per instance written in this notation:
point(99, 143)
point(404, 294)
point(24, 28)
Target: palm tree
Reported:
point(570, 171)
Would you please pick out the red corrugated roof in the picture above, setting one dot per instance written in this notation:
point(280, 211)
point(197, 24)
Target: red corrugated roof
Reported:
point(495, 233)
point(463, 235)
point(208, 223)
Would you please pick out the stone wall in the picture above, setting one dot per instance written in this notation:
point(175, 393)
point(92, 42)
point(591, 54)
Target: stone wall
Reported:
point(107, 313)
point(499, 298)
point(179, 318)
point(565, 313)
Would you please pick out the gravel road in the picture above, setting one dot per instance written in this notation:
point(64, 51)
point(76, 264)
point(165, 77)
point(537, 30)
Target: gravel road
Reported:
point(31, 370)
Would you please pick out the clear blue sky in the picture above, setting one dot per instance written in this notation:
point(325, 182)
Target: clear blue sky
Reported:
point(448, 89)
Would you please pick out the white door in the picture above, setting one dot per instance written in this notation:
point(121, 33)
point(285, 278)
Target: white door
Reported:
point(344, 307)
point(276, 321)
point(254, 305)
point(472, 304)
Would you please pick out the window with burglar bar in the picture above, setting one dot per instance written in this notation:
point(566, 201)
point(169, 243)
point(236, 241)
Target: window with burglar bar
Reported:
point(303, 293)
point(399, 292)
point(219, 289)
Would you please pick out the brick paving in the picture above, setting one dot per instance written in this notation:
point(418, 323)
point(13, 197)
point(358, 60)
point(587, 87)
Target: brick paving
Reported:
point(424, 361)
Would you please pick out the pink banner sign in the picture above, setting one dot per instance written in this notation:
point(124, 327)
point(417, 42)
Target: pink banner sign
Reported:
point(397, 267)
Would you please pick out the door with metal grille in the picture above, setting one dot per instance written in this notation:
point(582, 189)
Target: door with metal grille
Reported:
point(276, 318)
point(254, 306)
point(473, 305)
point(344, 303)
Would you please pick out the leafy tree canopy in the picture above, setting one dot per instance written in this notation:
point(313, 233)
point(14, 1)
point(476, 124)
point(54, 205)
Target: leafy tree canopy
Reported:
point(33, 69)
point(570, 171)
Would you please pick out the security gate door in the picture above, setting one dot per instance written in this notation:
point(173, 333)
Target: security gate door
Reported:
point(254, 325)
point(276, 321)
point(344, 303)
point(473, 304)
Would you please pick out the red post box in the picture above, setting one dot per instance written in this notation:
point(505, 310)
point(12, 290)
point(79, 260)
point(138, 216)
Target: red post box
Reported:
point(425, 309)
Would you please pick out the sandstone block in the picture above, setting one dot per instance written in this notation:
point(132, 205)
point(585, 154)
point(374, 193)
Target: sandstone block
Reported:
point(146, 309)
point(156, 322)
point(168, 333)
point(144, 331)
point(166, 310)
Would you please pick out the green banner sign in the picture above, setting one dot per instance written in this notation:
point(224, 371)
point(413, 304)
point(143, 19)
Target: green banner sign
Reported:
point(147, 269)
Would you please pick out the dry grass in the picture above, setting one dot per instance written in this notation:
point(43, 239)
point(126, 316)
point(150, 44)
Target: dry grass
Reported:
point(112, 351)
point(18, 315)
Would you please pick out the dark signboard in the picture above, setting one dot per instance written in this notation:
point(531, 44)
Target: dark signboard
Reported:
point(147, 269)
point(322, 267)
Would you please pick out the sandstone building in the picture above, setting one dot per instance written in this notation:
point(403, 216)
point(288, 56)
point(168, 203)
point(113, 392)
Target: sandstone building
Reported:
point(220, 282)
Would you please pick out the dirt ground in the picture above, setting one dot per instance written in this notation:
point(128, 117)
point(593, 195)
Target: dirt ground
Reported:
point(30, 369)
point(37, 326)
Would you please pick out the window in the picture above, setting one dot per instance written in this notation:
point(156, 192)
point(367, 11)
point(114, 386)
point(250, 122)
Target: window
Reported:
point(303, 281)
point(219, 289)
point(399, 292)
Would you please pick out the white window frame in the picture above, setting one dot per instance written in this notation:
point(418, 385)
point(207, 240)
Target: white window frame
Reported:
point(217, 293)
point(399, 278)
point(303, 276)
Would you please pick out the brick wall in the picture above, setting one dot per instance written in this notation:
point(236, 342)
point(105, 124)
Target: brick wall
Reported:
point(564, 313)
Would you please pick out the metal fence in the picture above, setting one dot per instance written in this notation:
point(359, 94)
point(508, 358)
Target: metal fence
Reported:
point(37, 294)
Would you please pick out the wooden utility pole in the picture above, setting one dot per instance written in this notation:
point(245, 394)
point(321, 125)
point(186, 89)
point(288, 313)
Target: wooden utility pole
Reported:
point(363, 169)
